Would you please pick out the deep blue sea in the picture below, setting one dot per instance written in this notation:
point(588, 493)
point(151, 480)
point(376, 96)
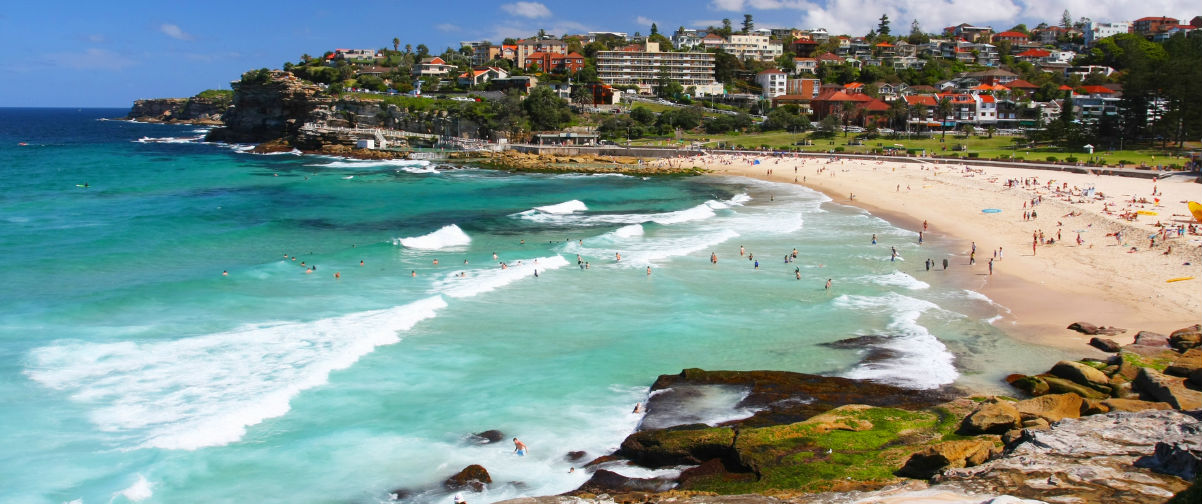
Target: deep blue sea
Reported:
point(188, 322)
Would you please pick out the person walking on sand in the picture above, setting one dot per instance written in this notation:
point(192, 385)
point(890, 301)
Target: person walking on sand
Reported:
point(991, 267)
point(519, 447)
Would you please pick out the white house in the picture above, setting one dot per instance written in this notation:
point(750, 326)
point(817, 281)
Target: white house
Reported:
point(773, 82)
point(432, 66)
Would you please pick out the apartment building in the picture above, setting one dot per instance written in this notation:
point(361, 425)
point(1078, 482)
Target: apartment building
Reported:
point(1098, 31)
point(754, 46)
point(643, 68)
point(530, 46)
point(772, 82)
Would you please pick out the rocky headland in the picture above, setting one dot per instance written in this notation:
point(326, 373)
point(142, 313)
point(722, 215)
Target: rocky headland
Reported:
point(203, 109)
point(1123, 429)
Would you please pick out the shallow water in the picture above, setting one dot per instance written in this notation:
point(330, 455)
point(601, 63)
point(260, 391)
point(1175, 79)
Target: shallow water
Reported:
point(131, 369)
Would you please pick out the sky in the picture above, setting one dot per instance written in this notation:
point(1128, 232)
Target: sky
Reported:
point(107, 54)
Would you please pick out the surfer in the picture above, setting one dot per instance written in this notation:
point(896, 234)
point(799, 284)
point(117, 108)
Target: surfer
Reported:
point(519, 447)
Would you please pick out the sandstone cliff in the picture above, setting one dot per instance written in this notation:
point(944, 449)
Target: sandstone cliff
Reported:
point(195, 110)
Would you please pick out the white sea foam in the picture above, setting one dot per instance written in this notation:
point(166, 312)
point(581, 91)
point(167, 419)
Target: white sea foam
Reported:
point(922, 361)
point(639, 251)
point(206, 390)
point(448, 236)
point(629, 231)
point(897, 279)
point(172, 140)
point(405, 165)
point(479, 281)
point(699, 212)
point(138, 491)
point(566, 207)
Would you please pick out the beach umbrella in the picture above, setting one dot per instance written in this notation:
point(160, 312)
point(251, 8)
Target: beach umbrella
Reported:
point(1196, 209)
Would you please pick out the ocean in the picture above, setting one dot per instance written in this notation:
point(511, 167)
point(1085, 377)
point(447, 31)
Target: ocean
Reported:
point(188, 322)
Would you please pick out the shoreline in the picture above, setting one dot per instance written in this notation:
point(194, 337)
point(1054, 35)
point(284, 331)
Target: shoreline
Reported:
point(1044, 293)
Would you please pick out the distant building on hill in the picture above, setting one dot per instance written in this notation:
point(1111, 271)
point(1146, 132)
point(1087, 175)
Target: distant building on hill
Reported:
point(643, 67)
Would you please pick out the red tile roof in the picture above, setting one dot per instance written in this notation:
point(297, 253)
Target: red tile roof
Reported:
point(1022, 84)
point(924, 100)
point(1097, 90)
point(1034, 53)
point(1011, 34)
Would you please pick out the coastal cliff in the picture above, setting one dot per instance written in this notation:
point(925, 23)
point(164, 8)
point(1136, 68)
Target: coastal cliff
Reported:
point(276, 105)
point(206, 108)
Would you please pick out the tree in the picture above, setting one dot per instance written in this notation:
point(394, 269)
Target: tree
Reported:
point(943, 109)
point(654, 29)
point(396, 42)
point(748, 25)
point(883, 28)
point(916, 35)
point(786, 118)
point(642, 115)
point(725, 66)
point(1066, 20)
point(1021, 28)
point(422, 51)
point(546, 110)
point(542, 34)
point(726, 28)
point(408, 48)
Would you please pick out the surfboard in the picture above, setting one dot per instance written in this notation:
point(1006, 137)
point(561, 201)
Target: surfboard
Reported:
point(1146, 212)
point(1178, 279)
point(991, 210)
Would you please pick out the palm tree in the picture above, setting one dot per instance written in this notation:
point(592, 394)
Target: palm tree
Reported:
point(396, 43)
point(943, 109)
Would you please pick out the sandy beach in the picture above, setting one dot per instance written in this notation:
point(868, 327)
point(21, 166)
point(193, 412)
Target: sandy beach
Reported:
point(1103, 279)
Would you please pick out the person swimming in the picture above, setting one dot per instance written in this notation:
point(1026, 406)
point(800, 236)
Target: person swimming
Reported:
point(519, 448)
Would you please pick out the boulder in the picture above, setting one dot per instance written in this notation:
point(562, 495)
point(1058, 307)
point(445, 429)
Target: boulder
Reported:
point(1195, 378)
point(1081, 374)
point(1051, 408)
point(1084, 328)
point(1186, 338)
point(1116, 404)
point(946, 455)
point(993, 417)
point(1085, 460)
point(604, 481)
point(574, 456)
point(1104, 344)
point(683, 445)
point(1032, 385)
point(1149, 338)
point(1093, 407)
point(472, 477)
point(1062, 386)
point(838, 419)
point(1154, 385)
point(1180, 458)
point(486, 437)
point(1186, 364)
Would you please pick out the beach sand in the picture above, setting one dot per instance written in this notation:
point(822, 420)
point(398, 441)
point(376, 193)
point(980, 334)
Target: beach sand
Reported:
point(1099, 281)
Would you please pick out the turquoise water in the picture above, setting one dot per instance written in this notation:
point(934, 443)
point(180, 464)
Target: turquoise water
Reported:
point(132, 369)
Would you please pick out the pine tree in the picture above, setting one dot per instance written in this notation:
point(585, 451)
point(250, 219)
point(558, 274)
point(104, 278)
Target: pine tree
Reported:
point(747, 24)
point(883, 28)
point(654, 29)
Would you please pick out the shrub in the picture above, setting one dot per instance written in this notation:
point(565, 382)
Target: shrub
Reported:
point(973, 154)
point(1124, 162)
point(839, 149)
point(1051, 159)
point(1071, 159)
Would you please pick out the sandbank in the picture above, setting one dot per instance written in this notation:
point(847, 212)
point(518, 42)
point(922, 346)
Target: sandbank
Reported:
point(1102, 280)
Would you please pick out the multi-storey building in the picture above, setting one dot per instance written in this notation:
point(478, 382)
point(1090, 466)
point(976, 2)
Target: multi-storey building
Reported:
point(644, 68)
point(757, 47)
point(772, 82)
point(1098, 31)
point(530, 46)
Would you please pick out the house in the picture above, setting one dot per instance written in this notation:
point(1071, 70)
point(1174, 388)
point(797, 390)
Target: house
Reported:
point(530, 46)
point(603, 94)
point(1167, 31)
point(1084, 70)
point(1033, 55)
point(1149, 26)
point(805, 65)
point(804, 47)
point(969, 32)
point(993, 76)
point(482, 55)
point(772, 82)
point(354, 54)
point(374, 70)
point(432, 66)
point(1097, 31)
point(523, 83)
point(1019, 86)
point(712, 41)
point(686, 39)
point(986, 54)
point(829, 59)
point(479, 76)
point(554, 62)
point(799, 92)
point(1012, 37)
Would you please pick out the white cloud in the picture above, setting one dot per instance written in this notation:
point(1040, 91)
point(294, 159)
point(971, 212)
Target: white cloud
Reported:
point(532, 10)
point(447, 27)
point(644, 21)
point(96, 38)
point(520, 31)
point(174, 31)
point(89, 59)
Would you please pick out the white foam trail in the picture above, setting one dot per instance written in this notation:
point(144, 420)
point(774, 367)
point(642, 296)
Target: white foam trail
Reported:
point(406, 165)
point(699, 212)
point(566, 207)
point(897, 279)
point(922, 362)
point(206, 390)
point(479, 281)
point(173, 140)
point(446, 237)
point(649, 252)
point(138, 491)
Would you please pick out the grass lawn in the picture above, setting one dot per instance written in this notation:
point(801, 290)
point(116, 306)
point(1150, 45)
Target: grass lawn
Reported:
point(985, 148)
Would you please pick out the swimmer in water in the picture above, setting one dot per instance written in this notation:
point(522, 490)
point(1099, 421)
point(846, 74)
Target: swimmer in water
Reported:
point(618, 256)
point(360, 263)
point(337, 275)
point(225, 273)
point(519, 447)
point(828, 284)
point(648, 270)
point(436, 262)
point(413, 273)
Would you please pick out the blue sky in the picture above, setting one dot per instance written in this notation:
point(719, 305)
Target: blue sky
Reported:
point(107, 54)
